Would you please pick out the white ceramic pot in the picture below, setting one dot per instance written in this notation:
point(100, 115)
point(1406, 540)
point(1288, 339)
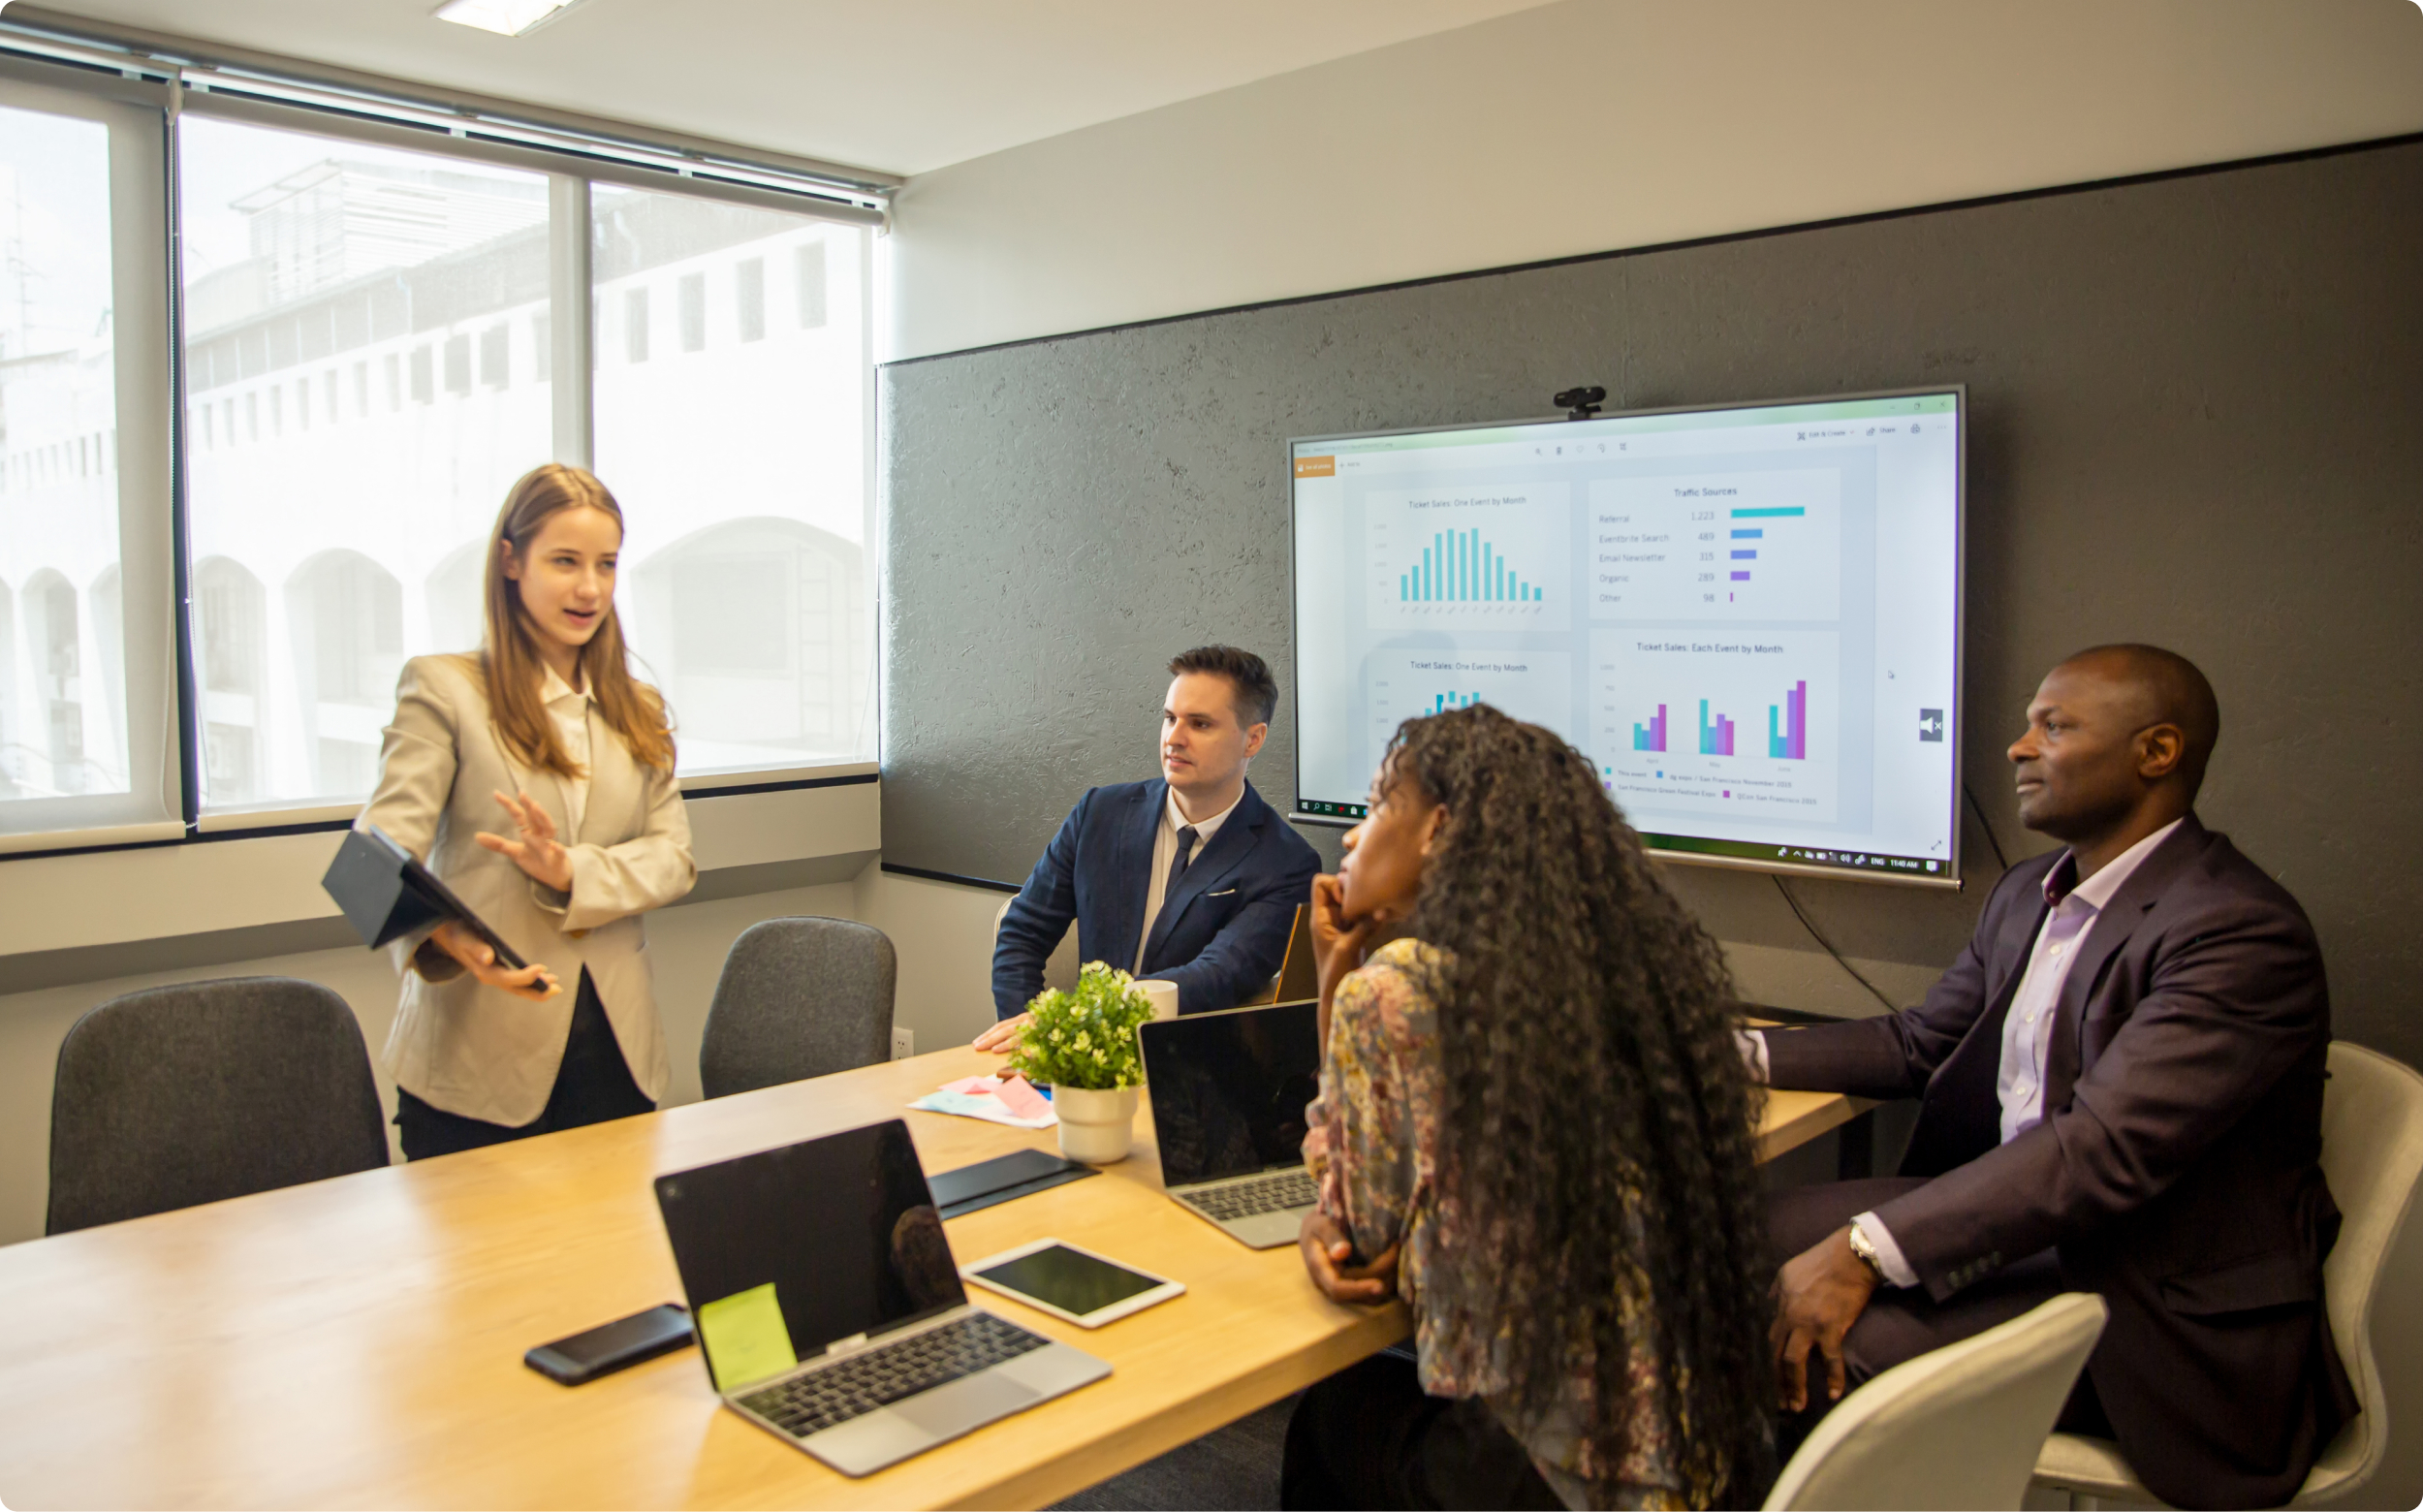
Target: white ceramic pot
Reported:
point(1096, 1127)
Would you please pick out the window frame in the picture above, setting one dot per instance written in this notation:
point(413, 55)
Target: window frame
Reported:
point(97, 71)
point(151, 579)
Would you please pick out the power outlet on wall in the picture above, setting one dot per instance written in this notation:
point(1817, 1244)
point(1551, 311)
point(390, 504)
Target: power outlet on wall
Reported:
point(903, 1044)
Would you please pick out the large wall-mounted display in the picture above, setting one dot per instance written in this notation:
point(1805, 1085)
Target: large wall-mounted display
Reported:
point(1748, 618)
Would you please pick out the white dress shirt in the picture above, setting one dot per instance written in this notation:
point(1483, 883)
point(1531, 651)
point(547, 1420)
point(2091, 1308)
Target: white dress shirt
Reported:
point(1165, 851)
point(570, 712)
point(2028, 1028)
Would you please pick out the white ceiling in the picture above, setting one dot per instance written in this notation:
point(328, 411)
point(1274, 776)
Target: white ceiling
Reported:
point(899, 87)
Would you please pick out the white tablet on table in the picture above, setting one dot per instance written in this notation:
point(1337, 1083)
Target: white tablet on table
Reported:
point(1071, 1282)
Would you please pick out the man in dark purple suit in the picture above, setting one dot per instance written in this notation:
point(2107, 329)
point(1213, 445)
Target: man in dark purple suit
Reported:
point(2122, 1083)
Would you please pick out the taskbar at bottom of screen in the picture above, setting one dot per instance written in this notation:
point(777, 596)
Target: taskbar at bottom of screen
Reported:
point(1848, 861)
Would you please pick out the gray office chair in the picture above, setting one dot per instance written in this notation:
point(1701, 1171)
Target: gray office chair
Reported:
point(798, 997)
point(204, 1090)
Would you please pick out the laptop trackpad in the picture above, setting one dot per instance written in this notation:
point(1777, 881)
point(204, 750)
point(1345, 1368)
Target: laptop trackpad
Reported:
point(952, 1409)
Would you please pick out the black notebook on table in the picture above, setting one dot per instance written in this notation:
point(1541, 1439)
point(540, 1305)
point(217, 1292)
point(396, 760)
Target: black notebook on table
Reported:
point(385, 894)
point(1019, 1174)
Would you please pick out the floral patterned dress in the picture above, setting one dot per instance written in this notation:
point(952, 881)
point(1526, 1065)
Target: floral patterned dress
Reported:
point(1373, 1148)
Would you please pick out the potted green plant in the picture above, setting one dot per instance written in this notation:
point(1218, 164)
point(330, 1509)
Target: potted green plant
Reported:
point(1083, 1045)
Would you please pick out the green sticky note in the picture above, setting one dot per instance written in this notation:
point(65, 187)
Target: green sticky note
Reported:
point(744, 1337)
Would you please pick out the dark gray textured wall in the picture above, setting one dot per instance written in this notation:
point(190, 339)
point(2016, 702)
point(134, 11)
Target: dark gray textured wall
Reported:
point(2197, 419)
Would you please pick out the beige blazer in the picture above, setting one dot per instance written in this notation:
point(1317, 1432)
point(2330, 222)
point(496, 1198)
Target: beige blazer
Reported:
point(470, 1049)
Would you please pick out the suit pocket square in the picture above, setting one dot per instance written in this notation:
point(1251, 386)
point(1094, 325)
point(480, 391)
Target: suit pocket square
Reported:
point(1226, 892)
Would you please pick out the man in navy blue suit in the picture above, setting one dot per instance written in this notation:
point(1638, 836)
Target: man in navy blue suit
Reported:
point(1190, 878)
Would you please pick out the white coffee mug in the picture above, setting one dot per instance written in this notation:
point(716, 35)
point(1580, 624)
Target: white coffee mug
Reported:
point(1163, 996)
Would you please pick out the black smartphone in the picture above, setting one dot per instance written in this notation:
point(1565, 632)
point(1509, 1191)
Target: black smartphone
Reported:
point(608, 1348)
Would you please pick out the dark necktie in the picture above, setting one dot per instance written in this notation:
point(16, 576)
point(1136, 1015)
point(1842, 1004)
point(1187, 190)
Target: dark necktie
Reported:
point(1178, 863)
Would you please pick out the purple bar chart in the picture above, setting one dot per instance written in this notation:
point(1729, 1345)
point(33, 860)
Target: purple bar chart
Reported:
point(1790, 740)
point(1715, 738)
point(1652, 737)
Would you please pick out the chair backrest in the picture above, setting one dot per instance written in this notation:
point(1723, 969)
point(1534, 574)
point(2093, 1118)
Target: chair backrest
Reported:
point(2372, 1156)
point(1297, 977)
point(797, 997)
point(1299, 971)
point(204, 1090)
point(1061, 969)
point(1958, 1427)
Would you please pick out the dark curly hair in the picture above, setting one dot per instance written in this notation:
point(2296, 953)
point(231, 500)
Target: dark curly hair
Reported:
point(1599, 1126)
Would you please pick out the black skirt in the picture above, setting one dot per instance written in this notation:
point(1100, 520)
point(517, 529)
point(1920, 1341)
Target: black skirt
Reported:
point(593, 1084)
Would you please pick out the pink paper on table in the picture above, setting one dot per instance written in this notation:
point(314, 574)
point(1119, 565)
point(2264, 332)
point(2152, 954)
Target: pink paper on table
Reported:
point(971, 1085)
point(1021, 1098)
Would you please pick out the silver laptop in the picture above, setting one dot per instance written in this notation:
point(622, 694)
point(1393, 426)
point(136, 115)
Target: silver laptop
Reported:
point(828, 1255)
point(1229, 1091)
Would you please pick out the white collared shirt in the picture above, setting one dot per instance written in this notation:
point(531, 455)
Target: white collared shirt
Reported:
point(1165, 851)
point(2028, 1028)
point(570, 712)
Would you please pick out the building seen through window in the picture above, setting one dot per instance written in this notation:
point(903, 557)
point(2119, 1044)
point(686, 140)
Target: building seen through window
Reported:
point(738, 449)
point(369, 370)
point(62, 636)
point(312, 266)
point(231, 618)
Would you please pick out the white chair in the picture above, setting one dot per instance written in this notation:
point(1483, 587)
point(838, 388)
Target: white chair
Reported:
point(1060, 970)
point(2372, 1153)
point(1956, 1428)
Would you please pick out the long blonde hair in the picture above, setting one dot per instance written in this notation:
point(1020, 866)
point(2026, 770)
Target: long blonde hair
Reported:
point(508, 655)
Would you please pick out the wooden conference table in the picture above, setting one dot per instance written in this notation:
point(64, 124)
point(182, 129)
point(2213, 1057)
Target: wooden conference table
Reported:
point(357, 1342)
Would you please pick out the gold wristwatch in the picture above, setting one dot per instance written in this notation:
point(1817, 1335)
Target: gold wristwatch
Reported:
point(1865, 1249)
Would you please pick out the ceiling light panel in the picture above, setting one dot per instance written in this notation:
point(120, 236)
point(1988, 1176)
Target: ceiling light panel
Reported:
point(505, 17)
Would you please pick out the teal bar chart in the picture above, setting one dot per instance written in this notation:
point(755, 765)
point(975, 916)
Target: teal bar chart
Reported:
point(1458, 559)
point(1462, 567)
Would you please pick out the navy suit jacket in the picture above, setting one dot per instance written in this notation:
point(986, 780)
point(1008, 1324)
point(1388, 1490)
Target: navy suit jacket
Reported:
point(1222, 934)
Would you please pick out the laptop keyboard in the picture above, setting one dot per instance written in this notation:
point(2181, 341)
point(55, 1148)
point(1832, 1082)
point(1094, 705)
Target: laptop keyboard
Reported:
point(1275, 1192)
point(876, 1377)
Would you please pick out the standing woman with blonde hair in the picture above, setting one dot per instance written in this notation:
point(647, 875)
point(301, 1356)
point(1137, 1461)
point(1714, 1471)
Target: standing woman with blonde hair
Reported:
point(544, 733)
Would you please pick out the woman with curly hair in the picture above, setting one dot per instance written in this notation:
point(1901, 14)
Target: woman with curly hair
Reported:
point(1535, 1126)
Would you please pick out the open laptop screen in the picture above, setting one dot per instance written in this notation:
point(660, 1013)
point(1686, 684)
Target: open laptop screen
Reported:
point(1229, 1090)
point(841, 1226)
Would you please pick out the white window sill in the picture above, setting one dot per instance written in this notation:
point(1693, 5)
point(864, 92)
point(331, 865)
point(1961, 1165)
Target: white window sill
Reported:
point(107, 898)
point(292, 816)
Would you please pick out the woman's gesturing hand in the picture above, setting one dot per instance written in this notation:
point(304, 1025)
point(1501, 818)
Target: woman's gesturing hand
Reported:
point(536, 852)
point(533, 982)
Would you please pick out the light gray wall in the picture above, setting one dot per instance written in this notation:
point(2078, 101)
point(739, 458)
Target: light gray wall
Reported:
point(2194, 406)
point(1585, 126)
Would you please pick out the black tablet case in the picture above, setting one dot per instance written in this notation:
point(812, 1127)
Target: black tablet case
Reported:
point(383, 894)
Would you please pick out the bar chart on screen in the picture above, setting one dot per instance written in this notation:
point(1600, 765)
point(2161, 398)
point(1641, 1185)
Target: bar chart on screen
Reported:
point(1483, 558)
point(1716, 722)
point(1732, 546)
point(1534, 686)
